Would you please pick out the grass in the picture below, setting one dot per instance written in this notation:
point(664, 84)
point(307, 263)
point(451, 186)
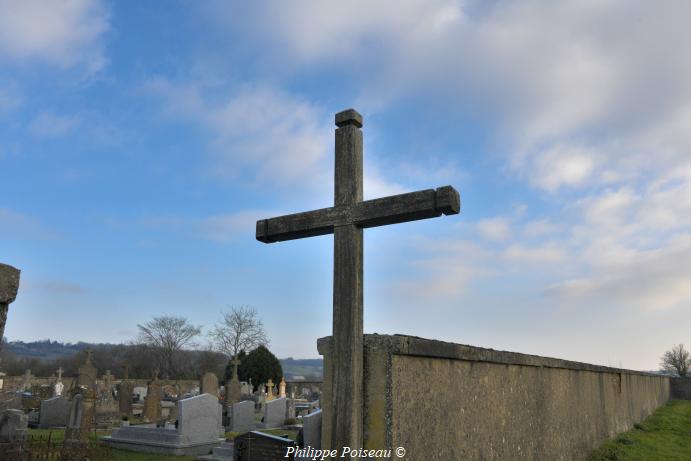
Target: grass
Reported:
point(664, 436)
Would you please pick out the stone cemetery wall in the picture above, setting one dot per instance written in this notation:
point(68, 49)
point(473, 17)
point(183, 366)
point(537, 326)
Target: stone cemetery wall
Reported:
point(681, 388)
point(449, 401)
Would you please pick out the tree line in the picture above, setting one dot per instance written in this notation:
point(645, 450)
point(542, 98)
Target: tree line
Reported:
point(166, 345)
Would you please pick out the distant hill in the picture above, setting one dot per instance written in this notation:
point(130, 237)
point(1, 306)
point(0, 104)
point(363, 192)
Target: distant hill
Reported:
point(309, 369)
point(47, 350)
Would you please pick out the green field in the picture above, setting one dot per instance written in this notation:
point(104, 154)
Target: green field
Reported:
point(664, 436)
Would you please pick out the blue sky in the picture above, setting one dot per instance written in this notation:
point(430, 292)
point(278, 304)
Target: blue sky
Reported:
point(140, 141)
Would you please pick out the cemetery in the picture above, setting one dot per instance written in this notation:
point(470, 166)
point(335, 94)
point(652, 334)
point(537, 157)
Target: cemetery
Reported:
point(502, 405)
point(444, 230)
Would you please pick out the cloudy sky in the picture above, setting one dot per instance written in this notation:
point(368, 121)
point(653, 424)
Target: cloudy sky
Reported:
point(140, 141)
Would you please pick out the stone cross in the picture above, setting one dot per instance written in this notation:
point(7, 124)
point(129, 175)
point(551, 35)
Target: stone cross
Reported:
point(346, 220)
point(60, 371)
point(270, 389)
point(235, 362)
point(9, 285)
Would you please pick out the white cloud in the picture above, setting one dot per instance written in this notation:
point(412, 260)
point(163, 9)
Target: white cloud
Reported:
point(48, 124)
point(64, 33)
point(494, 228)
point(266, 136)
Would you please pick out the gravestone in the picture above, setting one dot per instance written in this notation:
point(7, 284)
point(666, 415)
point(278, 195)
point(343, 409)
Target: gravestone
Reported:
point(152, 404)
point(241, 417)
point(270, 390)
point(275, 412)
point(86, 374)
point(13, 426)
point(233, 387)
point(197, 432)
point(253, 446)
point(140, 392)
point(343, 405)
point(26, 384)
point(209, 384)
point(80, 420)
point(54, 412)
point(125, 392)
point(9, 285)
point(58, 389)
point(282, 388)
point(245, 388)
point(312, 430)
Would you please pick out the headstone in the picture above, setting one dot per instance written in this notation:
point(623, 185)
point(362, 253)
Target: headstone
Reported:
point(259, 446)
point(346, 220)
point(245, 388)
point(125, 398)
point(233, 387)
point(86, 374)
point(209, 384)
point(26, 385)
point(54, 413)
point(79, 419)
point(241, 417)
point(108, 383)
point(2, 381)
point(198, 418)
point(9, 285)
point(152, 404)
point(13, 425)
point(270, 390)
point(140, 392)
point(275, 412)
point(282, 388)
point(58, 388)
point(312, 430)
point(197, 432)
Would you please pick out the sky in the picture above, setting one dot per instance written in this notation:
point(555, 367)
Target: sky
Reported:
point(141, 141)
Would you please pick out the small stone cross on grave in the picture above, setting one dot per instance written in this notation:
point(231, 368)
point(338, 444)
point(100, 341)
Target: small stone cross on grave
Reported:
point(60, 372)
point(270, 389)
point(346, 220)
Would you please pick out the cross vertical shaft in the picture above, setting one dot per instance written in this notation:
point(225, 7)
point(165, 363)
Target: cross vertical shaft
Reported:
point(346, 404)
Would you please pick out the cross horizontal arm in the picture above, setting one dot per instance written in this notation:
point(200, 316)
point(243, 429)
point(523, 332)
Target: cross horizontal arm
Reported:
point(299, 225)
point(395, 209)
point(412, 206)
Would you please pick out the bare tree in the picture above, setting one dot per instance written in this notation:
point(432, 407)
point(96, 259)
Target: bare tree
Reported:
point(168, 335)
point(676, 360)
point(239, 330)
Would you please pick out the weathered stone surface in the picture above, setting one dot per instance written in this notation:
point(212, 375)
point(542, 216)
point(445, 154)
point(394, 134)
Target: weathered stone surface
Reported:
point(199, 418)
point(241, 417)
point(312, 429)
point(13, 425)
point(275, 412)
point(125, 397)
point(54, 412)
point(152, 404)
point(494, 405)
point(346, 220)
point(9, 283)
point(199, 427)
point(259, 446)
point(87, 373)
point(209, 384)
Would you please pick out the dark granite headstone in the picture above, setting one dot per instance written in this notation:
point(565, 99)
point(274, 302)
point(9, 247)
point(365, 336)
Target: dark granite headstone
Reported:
point(256, 446)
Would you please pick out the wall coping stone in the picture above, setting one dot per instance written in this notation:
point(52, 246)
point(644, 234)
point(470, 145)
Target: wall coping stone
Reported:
point(415, 346)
